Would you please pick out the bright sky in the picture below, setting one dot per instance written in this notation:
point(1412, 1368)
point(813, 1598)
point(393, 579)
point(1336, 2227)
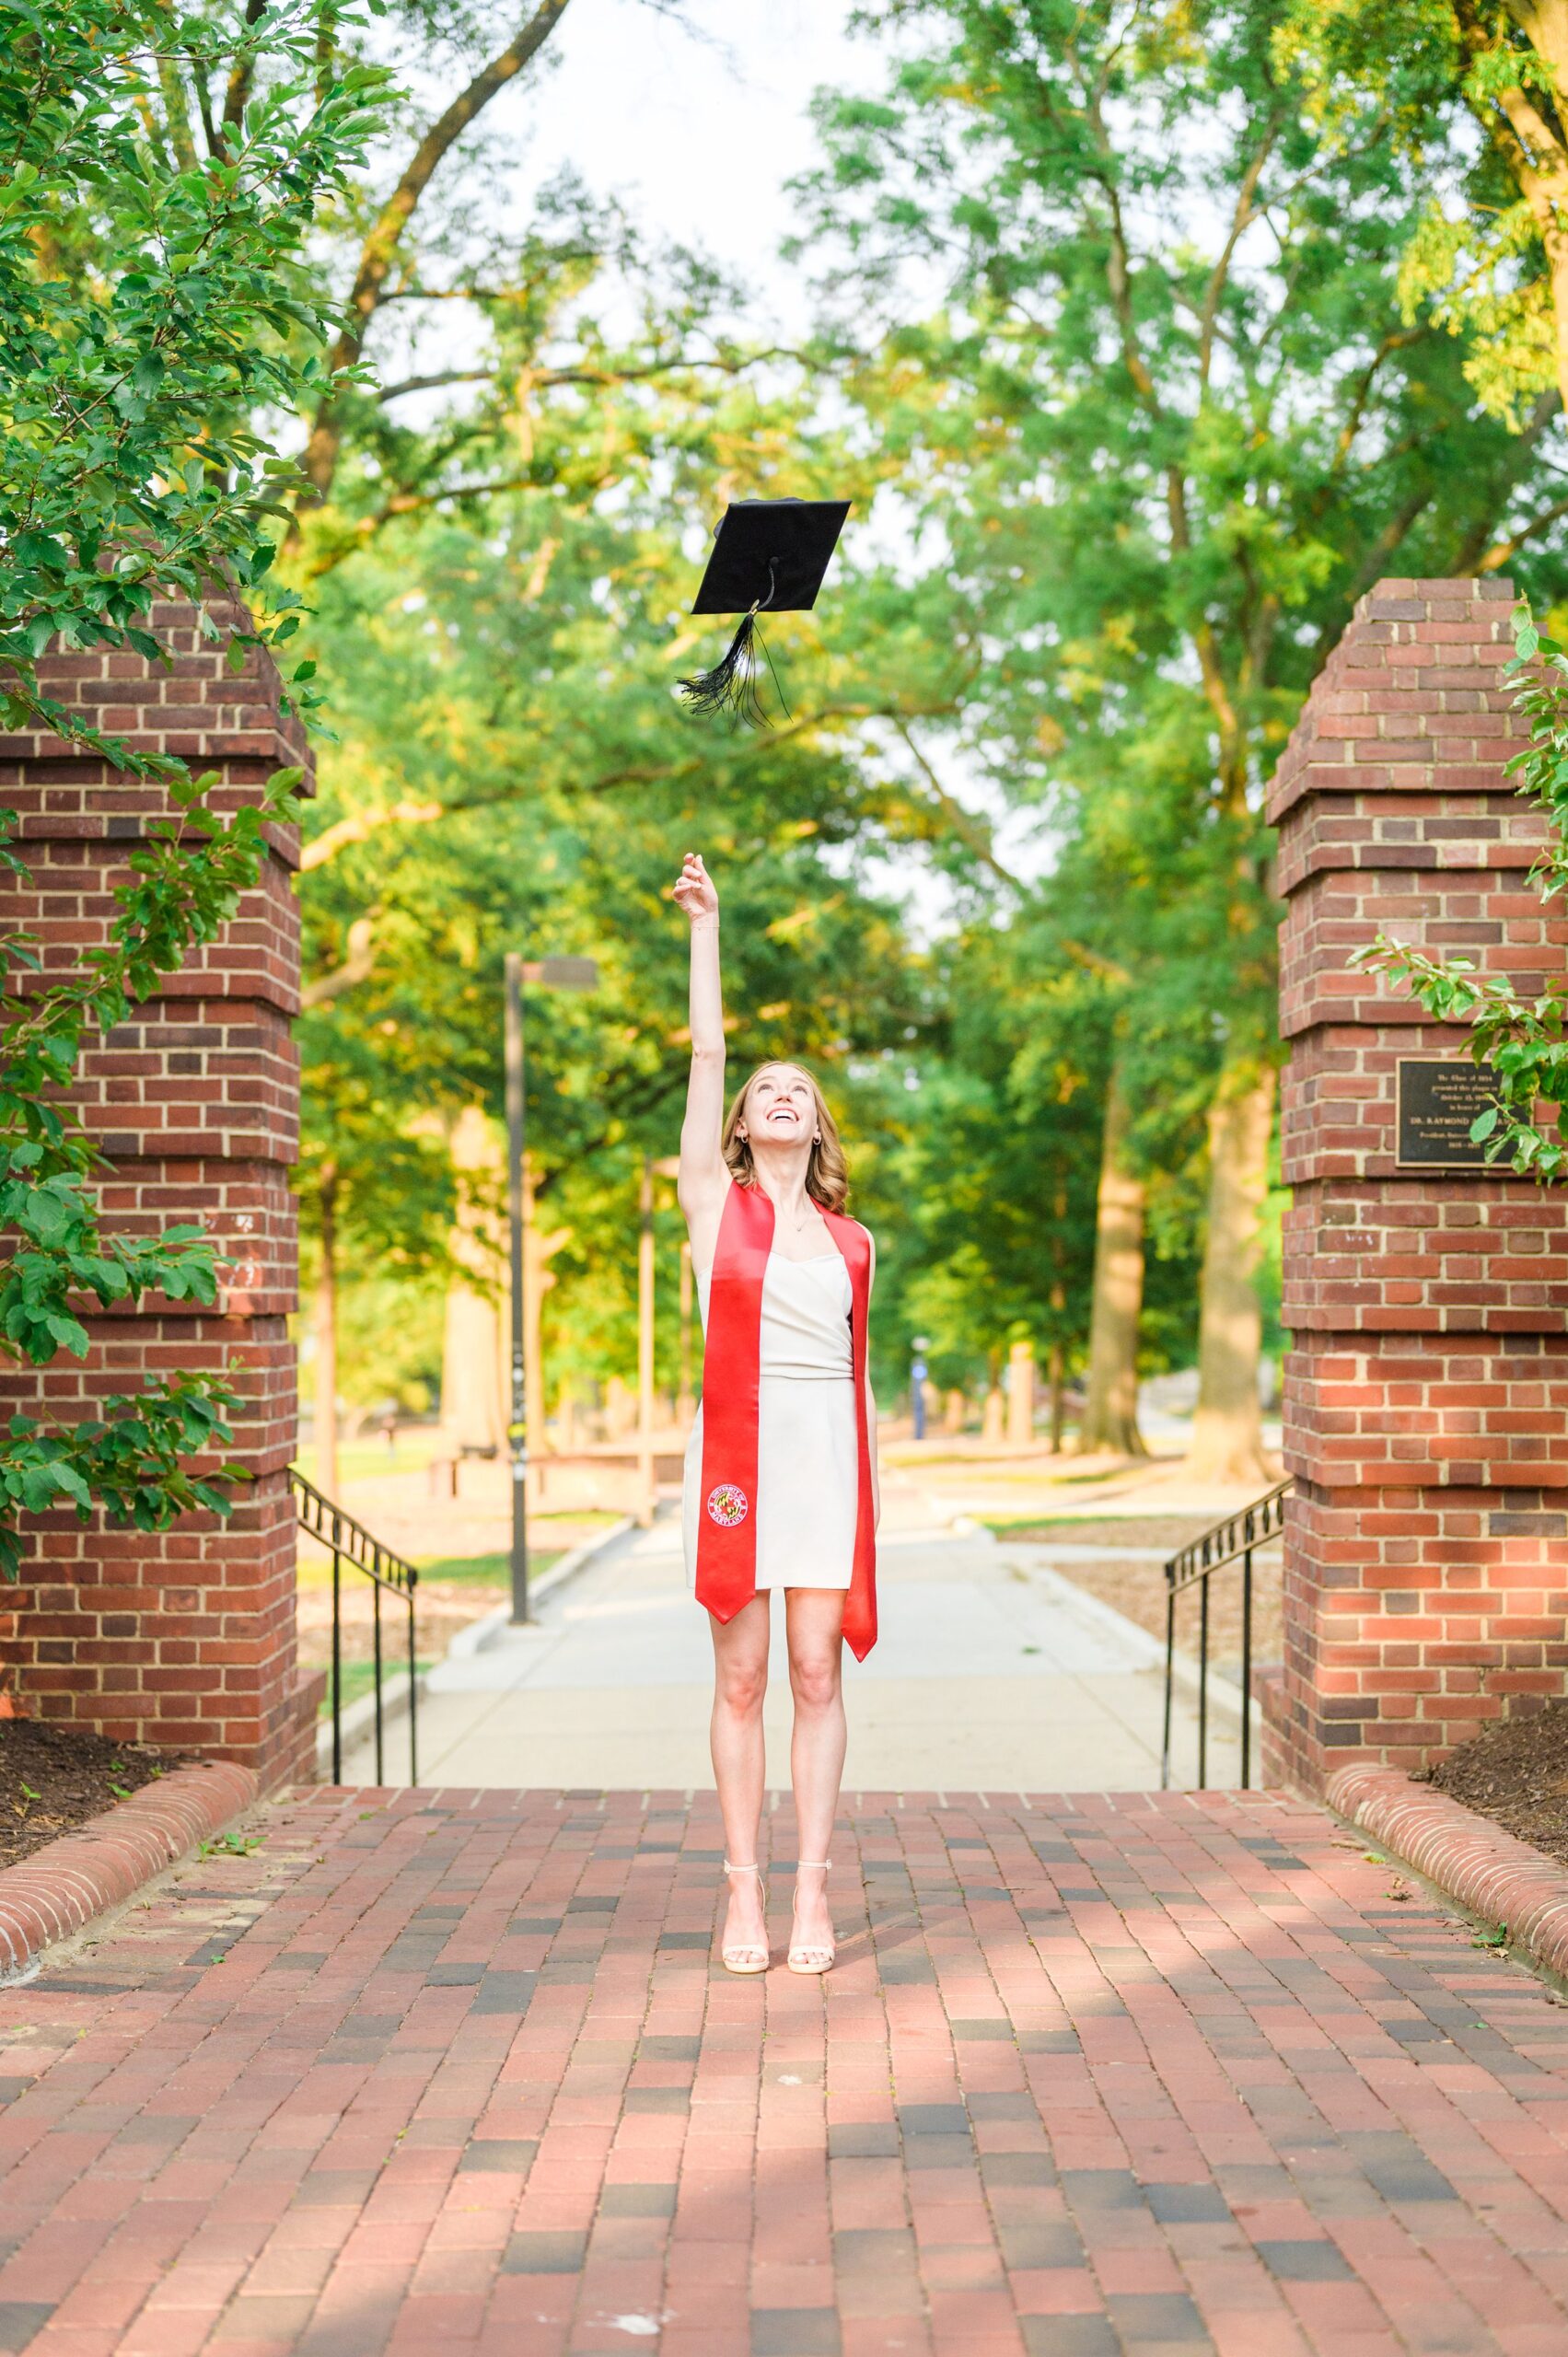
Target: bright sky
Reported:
point(700, 128)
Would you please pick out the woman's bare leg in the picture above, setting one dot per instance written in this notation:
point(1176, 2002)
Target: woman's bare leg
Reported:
point(740, 1682)
point(813, 1619)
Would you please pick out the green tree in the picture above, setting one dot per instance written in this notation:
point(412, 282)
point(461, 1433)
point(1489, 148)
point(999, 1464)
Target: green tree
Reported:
point(502, 553)
point(376, 1193)
point(151, 304)
point(1125, 310)
point(514, 772)
point(985, 1197)
point(1487, 258)
point(994, 1188)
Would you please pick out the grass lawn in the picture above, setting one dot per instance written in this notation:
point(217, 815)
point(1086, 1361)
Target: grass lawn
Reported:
point(358, 1679)
point(440, 1612)
point(460, 1571)
point(485, 1570)
point(1012, 1525)
point(362, 1460)
point(1102, 1526)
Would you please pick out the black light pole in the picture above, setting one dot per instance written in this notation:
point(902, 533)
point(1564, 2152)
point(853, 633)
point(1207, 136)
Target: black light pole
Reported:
point(562, 974)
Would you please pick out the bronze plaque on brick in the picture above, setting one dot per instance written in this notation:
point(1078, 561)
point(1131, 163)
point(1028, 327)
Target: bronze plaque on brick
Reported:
point(1437, 1100)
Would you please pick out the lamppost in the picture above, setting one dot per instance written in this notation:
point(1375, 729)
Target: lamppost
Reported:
point(919, 1344)
point(559, 974)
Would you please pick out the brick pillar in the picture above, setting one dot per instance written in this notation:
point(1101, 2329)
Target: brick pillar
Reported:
point(184, 1637)
point(1426, 1388)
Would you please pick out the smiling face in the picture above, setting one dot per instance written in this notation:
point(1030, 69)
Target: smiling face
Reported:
point(780, 1106)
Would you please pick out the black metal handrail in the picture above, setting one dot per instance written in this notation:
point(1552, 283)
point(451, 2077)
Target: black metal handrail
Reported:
point(351, 1542)
point(1239, 1534)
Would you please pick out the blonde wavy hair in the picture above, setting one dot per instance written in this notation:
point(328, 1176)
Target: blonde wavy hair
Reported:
point(827, 1173)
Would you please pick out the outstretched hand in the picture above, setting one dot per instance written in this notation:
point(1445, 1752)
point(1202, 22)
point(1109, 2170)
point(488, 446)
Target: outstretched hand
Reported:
point(693, 890)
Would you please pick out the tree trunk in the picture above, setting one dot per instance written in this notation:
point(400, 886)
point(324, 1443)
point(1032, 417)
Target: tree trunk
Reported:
point(620, 1409)
point(476, 1354)
point(1110, 1411)
point(1020, 1395)
point(326, 1340)
point(1228, 1431)
point(993, 1414)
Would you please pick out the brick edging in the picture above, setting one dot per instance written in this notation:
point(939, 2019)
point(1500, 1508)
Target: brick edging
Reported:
point(1493, 1873)
point(65, 1884)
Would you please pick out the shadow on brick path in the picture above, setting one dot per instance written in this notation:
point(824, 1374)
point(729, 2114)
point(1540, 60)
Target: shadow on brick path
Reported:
point(457, 2071)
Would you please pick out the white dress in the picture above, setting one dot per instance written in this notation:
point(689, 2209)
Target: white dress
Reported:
point(808, 1449)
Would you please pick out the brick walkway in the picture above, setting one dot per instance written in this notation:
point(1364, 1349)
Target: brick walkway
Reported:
point(453, 2070)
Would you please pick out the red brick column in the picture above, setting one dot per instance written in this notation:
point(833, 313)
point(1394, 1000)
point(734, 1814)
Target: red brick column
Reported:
point(1426, 1390)
point(184, 1637)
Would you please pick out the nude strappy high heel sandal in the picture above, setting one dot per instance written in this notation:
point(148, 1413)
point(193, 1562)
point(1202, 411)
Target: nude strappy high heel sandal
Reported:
point(745, 1958)
point(815, 1957)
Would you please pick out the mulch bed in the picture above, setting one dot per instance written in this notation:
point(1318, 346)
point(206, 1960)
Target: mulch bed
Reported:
point(1516, 1772)
point(1137, 1590)
point(1169, 1531)
point(53, 1778)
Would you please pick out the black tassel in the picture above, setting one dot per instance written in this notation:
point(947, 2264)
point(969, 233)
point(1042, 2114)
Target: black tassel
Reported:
point(731, 686)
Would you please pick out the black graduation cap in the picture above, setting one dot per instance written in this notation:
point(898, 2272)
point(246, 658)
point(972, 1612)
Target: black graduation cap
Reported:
point(769, 557)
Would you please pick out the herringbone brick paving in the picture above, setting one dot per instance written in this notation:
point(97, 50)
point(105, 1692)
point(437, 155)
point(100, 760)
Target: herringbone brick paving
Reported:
point(442, 2069)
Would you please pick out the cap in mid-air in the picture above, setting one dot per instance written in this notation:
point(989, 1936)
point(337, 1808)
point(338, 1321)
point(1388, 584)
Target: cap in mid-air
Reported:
point(769, 557)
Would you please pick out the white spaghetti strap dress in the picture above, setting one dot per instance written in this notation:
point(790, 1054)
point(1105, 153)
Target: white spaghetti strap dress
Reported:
point(807, 1449)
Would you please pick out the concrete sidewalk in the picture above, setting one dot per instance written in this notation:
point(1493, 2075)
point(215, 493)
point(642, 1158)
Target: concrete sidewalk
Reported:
point(991, 1671)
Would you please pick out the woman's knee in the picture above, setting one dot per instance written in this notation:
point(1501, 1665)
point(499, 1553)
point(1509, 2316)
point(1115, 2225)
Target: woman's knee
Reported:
point(814, 1678)
point(741, 1686)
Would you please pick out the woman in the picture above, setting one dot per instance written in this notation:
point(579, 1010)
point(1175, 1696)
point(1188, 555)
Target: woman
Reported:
point(781, 1472)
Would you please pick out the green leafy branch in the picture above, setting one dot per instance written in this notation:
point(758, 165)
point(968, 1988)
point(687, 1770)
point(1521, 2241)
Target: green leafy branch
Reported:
point(152, 307)
point(130, 1464)
point(131, 469)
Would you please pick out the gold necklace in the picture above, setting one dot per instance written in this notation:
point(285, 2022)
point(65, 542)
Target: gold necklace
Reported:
point(798, 1226)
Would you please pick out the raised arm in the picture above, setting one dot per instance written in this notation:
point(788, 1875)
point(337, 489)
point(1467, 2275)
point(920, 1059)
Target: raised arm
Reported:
point(704, 1180)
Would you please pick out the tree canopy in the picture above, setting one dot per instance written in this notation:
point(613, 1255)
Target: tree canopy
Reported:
point(1145, 340)
point(1121, 349)
point(152, 307)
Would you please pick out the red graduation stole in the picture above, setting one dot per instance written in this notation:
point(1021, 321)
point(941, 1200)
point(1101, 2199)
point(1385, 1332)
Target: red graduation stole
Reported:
point(727, 1528)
